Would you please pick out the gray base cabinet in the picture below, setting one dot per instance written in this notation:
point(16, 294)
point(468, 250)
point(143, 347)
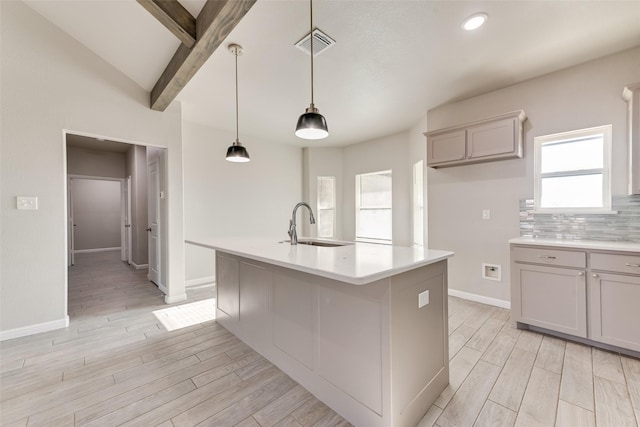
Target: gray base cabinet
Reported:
point(589, 294)
point(551, 298)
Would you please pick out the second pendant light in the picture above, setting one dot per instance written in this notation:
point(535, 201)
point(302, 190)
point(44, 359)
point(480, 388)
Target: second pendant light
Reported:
point(311, 124)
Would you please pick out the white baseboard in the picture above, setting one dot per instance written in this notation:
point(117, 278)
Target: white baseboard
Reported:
point(85, 251)
point(140, 266)
point(176, 298)
point(34, 329)
point(480, 298)
point(201, 281)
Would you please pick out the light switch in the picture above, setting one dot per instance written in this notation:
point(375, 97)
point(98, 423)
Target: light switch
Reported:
point(486, 214)
point(423, 299)
point(27, 202)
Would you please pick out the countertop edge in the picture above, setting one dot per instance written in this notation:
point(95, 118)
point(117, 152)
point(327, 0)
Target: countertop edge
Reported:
point(361, 280)
point(579, 244)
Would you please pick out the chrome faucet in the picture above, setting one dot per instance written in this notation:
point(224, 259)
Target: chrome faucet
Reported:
point(292, 222)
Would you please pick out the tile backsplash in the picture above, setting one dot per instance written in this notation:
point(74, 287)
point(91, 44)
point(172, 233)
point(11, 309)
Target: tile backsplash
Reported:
point(622, 227)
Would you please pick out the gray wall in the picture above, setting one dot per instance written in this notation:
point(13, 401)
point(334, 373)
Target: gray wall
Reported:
point(51, 83)
point(96, 213)
point(579, 97)
point(89, 162)
point(136, 168)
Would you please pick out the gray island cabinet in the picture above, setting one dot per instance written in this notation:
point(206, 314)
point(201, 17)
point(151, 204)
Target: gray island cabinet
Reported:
point(363, 327)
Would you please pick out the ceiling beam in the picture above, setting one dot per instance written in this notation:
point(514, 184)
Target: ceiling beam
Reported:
point(214, 23)
point(175, 17)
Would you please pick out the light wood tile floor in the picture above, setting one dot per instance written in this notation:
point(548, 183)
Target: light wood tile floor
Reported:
point(116, 365)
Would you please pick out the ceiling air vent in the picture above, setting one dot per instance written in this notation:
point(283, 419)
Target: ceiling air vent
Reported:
point(321, 42)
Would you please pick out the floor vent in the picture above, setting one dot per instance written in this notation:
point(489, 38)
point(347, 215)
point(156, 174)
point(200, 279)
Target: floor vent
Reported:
point(321, 42)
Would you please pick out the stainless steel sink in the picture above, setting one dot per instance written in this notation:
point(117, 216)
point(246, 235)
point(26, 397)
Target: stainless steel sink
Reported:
point(321, 243)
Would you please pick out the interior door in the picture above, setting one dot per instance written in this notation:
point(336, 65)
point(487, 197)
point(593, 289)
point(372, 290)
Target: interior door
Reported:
point(154, 223)
point(70, 224)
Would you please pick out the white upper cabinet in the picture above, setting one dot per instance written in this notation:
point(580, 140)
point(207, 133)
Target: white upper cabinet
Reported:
point(631, 94)
point(487, 140)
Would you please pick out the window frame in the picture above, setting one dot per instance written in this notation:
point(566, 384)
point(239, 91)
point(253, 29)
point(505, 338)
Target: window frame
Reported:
point(358, 208)
point(418, 204)
point(539, 141)
point(333, 208)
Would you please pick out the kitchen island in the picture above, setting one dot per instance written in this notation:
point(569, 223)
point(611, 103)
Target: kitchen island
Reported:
point(362, 326)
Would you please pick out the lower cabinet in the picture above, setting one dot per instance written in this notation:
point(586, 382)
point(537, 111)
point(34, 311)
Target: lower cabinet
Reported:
point(614, 314)
point(588, 294)
point(552, 298)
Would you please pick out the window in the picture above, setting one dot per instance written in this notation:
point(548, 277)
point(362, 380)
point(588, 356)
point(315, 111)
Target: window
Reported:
point(326, 206)
point(373, 207)
point(572, 171)
point(418, 204)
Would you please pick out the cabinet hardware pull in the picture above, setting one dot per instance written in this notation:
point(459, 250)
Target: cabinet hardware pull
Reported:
point(581, 273)
point(547, 257)
point(632, 265)
point(594, 275)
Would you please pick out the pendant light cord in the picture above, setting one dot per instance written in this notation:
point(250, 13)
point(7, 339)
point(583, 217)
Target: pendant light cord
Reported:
point(311, 35)
point(236, 55)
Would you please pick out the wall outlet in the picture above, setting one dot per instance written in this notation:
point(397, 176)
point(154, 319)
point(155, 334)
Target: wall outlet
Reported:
point(27, 203)
point(423, 299)
point(486, 214)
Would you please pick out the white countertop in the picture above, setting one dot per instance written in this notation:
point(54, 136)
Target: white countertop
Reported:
point(357, 263)
point(579, 244)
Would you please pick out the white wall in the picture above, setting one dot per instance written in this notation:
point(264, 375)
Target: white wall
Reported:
point(390, 152)
point(322, 162)
point(50, 83)
point(235, 199)
point(579, 97)
point(396, 152)
point(96, 213)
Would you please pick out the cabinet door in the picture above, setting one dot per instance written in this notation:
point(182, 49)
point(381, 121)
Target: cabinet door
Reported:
point(447, 147)
point(551, 298)
point(498, 139)
point(227, 288)
point(614, 315)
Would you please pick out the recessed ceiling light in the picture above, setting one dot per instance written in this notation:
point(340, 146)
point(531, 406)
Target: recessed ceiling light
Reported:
point(474, 21)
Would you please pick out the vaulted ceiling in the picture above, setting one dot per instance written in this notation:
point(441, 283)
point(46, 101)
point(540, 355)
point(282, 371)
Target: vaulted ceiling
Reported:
point(393, 60)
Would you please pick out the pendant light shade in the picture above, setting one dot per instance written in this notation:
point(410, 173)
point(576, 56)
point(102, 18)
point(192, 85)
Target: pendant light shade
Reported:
point(311, 124)
point(236, 152)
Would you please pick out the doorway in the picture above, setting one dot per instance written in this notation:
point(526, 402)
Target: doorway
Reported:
point(95, 167)
point(98, 215)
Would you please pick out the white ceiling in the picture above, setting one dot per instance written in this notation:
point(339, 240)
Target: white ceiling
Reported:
point(393, 60)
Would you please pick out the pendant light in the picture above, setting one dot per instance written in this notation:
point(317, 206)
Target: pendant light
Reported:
point(311, 124)
point(236, 152)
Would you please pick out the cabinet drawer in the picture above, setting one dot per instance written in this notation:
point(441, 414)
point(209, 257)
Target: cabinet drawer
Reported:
point(549, 257)
point(617, 263)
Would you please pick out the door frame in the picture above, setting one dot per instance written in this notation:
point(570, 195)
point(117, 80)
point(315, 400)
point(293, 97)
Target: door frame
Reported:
point(124, 218)
point(65, 195)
